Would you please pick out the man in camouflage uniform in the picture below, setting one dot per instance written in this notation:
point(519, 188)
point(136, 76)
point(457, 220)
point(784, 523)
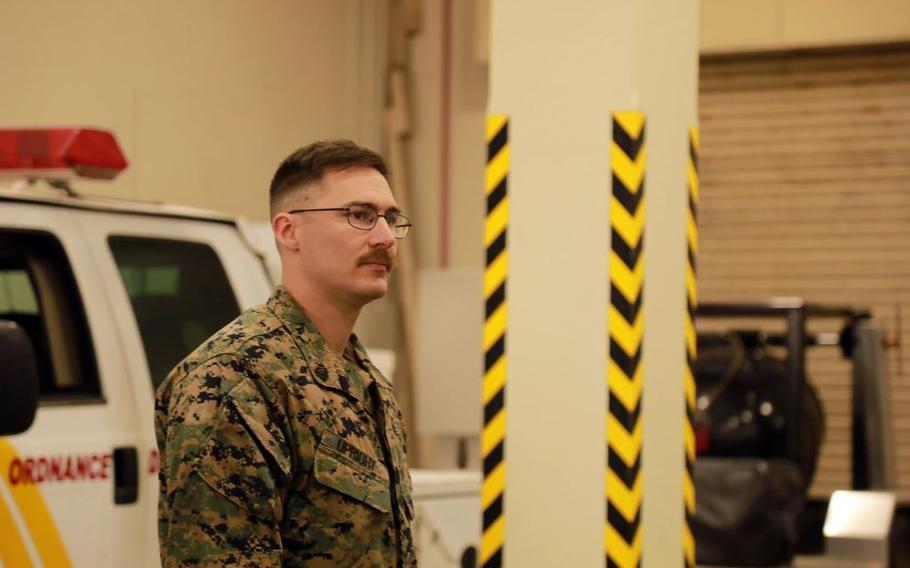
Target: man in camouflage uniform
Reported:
point(281, 444)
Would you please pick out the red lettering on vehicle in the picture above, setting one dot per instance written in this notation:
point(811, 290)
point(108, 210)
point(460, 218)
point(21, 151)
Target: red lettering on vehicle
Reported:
point(15, 471)
point(83, 464)
point(69, 473)
point(105, 466)
point(55, 468)
point(40, 473)
point(154, 461)
point(94, 471)
point(44, 469)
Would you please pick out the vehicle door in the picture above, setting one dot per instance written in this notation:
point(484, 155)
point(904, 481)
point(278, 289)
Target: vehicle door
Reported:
point(171, 282)
point(68, 486)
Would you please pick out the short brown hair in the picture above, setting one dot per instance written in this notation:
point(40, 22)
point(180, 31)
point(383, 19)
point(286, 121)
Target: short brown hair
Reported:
point(308, 164)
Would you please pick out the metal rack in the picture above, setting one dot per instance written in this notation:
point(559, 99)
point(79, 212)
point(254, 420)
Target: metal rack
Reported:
point(860, 340)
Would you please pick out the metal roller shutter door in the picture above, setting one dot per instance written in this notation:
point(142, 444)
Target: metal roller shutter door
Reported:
point(805, 191)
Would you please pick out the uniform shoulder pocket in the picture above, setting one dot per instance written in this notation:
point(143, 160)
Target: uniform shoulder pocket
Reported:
point(342, 466)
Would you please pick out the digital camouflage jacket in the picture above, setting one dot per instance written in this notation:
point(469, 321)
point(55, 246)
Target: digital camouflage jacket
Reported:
point(277, 452)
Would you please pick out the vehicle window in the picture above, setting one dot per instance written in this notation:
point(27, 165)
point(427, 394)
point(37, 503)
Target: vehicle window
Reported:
point(39, 293)
point(180, 296)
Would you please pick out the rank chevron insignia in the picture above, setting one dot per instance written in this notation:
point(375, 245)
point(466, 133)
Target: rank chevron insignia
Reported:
point(623, 483)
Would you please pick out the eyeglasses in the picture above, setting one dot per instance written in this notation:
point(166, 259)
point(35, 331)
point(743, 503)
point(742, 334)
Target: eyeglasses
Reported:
point(365, 217)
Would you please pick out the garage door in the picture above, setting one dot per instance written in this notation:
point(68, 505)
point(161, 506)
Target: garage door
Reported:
point(805, 172)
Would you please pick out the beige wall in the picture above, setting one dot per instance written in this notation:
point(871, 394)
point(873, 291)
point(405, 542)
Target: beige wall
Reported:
point(206, 97)
point(725, 26)
point(557, 273)
point(729, 26)
point(669, 87)
point(441, 289)
point(560, 73)
point(468, 92)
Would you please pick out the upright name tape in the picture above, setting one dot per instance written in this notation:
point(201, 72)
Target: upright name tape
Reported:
point(493, 439)
point(691, 347)
point(625, 324)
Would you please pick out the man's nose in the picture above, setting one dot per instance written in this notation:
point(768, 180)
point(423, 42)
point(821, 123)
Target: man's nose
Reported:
point(382, 234)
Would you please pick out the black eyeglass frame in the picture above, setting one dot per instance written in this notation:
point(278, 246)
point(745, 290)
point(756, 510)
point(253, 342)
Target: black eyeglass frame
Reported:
point(406, 226)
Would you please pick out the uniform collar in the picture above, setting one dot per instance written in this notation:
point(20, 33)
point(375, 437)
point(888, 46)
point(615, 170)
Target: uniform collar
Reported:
point(326, 367)
point(363, 359)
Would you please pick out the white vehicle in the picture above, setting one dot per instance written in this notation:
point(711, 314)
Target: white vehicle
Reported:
point(111, 294)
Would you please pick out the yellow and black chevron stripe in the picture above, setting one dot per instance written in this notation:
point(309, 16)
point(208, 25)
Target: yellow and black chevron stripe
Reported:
point(691, 346)
point(623, 483)
point(493, 439)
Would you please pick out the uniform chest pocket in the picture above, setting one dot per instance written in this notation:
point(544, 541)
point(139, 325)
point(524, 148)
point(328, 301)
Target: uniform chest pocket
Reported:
point(341, 466)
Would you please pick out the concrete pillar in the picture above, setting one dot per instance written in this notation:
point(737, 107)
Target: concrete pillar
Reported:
point(559, 70)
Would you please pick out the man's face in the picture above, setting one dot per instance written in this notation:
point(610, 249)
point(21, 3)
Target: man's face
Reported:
point(344, 262)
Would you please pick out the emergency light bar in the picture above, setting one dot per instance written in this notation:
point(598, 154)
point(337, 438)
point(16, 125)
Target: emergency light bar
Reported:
point(60, 153)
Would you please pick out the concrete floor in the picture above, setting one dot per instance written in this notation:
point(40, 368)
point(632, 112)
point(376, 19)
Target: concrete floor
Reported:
point(819, 561)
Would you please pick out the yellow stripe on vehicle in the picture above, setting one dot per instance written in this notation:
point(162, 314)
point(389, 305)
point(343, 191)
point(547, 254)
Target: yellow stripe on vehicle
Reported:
point(12, 548)
point(38, 520)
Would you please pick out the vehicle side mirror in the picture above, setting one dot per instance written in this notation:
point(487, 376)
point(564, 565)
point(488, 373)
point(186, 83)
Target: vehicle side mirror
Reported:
point(18, 379)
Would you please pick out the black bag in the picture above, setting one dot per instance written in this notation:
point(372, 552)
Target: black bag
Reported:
point(747, 511)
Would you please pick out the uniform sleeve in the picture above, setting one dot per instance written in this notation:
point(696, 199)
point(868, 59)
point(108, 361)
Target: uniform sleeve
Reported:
point(225, 469)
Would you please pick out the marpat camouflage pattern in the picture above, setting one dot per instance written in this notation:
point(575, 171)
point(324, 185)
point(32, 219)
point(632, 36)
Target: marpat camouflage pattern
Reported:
point(275, 451)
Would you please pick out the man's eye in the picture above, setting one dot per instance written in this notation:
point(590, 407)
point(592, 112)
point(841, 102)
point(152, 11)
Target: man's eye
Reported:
point(393, 218)
point(361, 214)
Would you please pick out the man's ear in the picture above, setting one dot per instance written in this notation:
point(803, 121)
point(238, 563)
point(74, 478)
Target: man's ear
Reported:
point(285, 231)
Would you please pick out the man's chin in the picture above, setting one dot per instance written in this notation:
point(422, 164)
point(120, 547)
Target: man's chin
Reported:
point(373, 291)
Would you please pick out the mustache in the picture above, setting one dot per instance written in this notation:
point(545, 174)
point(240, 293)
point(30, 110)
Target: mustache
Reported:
point(381, 256)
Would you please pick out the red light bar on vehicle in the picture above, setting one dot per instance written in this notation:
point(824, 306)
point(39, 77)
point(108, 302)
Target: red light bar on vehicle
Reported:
point(60, 153)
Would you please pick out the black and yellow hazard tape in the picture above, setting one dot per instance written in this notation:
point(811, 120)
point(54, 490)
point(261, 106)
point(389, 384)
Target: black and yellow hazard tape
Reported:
point(493, 439)
point(623, 480)
point(691, 347)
